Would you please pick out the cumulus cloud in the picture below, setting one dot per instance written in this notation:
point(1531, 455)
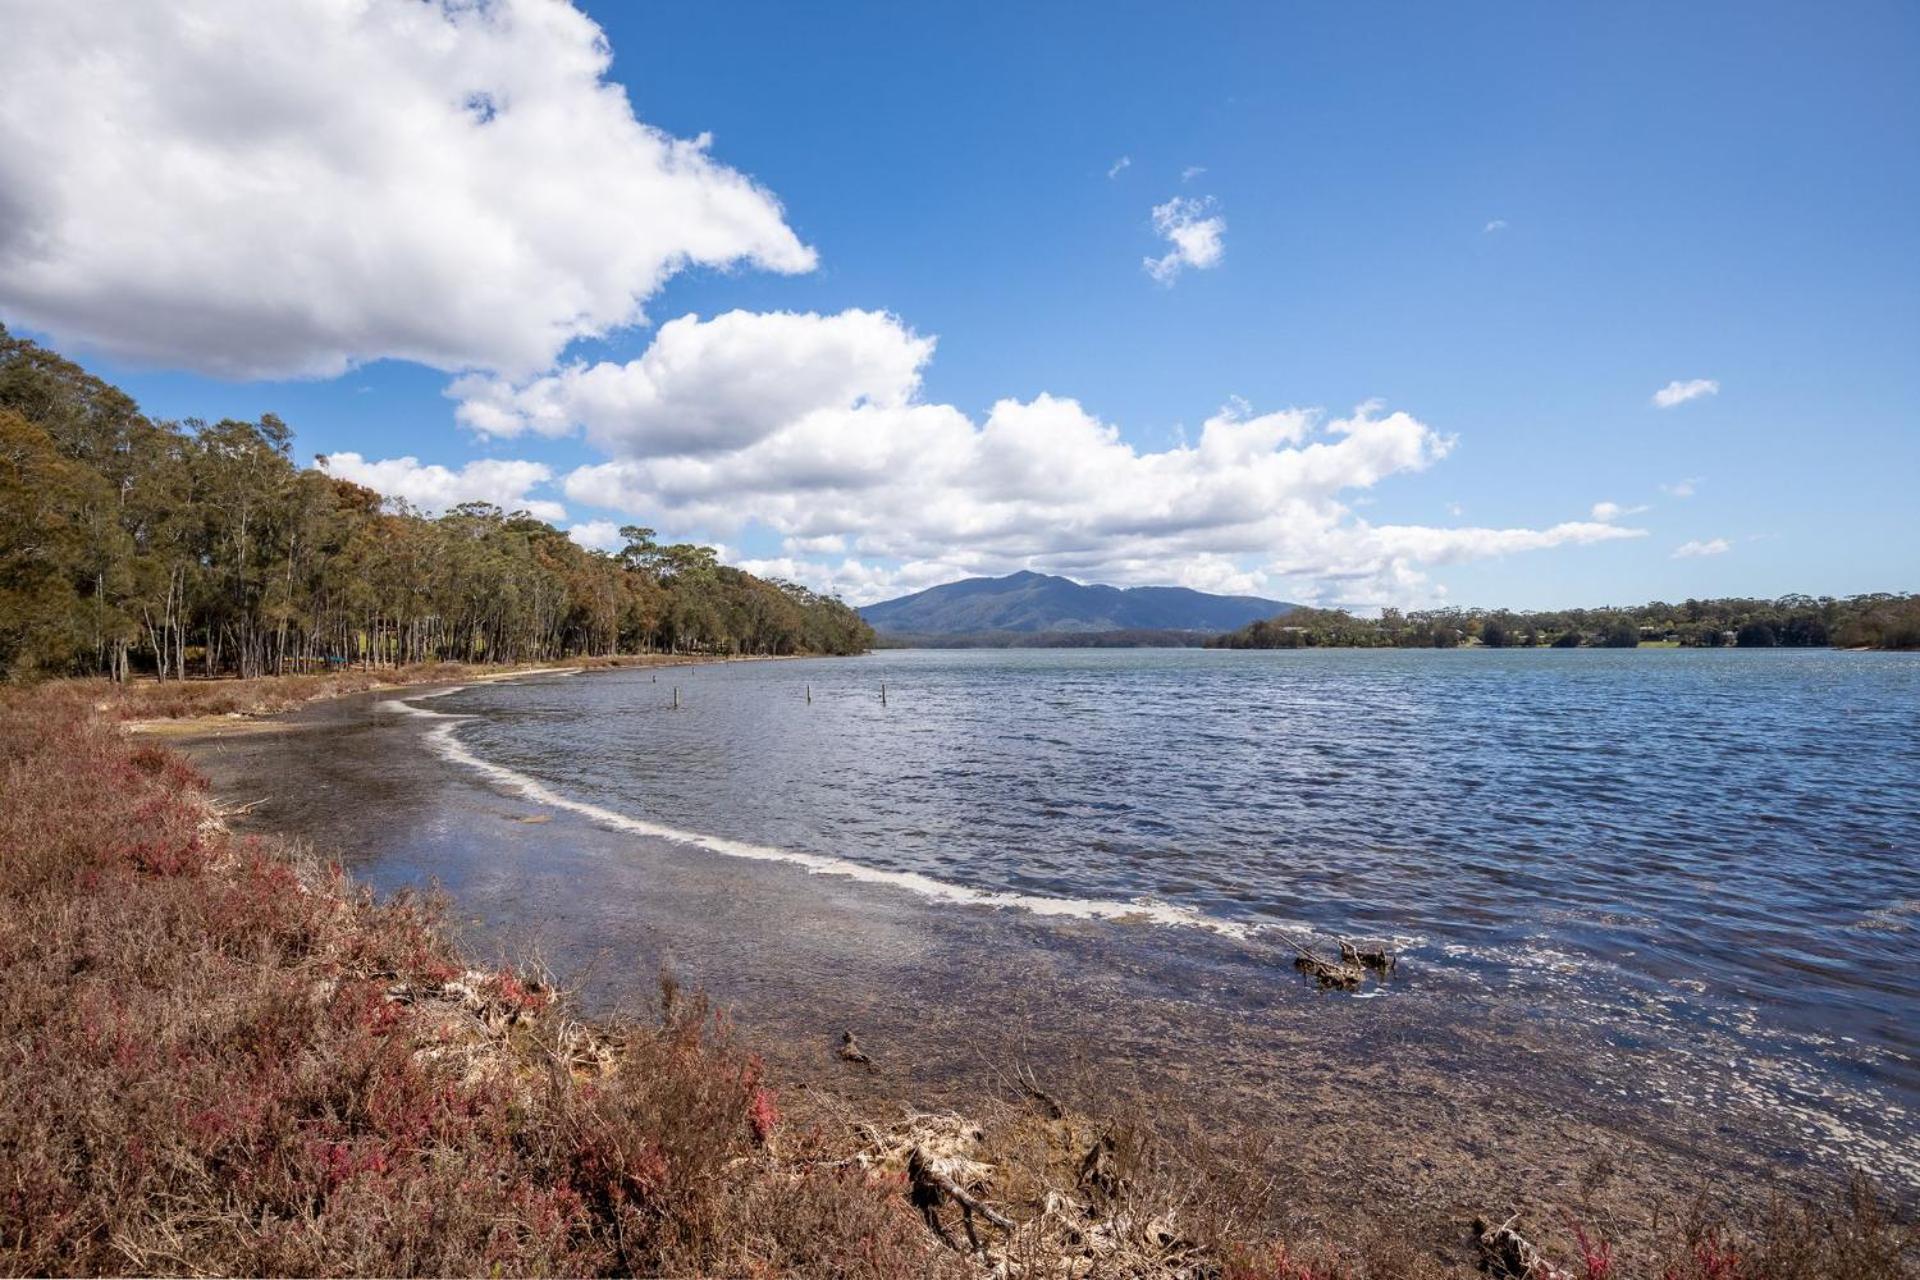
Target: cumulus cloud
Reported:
point(1608, 512)
point(874, 489)
point(435, 488)
point(1677, 392)
point(1197, 236)
point(1698, 547)
point(709, 386)
point(1118, 166)
point(288, 189)
point(1498, 224)
point(1681, 488)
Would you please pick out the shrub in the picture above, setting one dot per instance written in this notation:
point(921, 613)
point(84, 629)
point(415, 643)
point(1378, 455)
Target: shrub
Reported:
point(209, 1066)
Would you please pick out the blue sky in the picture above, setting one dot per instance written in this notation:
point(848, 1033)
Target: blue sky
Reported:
point(1513, 223)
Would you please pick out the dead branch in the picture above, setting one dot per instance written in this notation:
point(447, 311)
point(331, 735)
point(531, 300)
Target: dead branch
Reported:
point(929, 1184)
point(1030, 1085)
point(1507, 1254)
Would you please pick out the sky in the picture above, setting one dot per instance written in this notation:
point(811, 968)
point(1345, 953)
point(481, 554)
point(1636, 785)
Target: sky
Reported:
point(1353, 305)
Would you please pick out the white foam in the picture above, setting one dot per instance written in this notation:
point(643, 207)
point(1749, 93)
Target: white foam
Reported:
point(1142, 910)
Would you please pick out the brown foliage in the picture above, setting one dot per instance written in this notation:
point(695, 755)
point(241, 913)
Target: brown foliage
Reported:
point(208, 1069)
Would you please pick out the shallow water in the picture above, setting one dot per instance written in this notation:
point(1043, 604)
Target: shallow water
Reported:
point(1664, 891)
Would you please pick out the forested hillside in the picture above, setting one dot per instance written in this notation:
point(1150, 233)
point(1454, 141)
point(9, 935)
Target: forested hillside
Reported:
point(128, 544)
point(1038, 604)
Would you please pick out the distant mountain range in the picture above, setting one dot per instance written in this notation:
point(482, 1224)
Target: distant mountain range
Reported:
point(1039, 604)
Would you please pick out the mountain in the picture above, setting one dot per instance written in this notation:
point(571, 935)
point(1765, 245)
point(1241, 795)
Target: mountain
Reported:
point(1039, 603)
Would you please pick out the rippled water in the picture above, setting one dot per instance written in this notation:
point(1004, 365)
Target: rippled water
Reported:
point(1730, 836)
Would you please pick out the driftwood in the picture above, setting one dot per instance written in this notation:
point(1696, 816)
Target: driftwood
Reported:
point(927, 1186)
point(1507, 1254)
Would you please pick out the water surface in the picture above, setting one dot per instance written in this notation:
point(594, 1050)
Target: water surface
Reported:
point(1712, 854)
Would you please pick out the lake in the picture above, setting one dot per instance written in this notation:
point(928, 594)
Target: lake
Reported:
point(1700, 869)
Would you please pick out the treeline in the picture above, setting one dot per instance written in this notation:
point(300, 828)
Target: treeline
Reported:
point(128, 544)
point(1870, 621)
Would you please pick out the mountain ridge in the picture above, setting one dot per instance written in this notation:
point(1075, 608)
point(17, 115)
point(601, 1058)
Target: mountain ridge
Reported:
point(1038, 603)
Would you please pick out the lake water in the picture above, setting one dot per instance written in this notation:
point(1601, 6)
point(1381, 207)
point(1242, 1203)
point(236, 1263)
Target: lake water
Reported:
point(1717, 850)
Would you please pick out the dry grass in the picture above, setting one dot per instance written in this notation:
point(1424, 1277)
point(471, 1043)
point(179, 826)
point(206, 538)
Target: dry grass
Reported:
point(219, 1057)
point(148, 699)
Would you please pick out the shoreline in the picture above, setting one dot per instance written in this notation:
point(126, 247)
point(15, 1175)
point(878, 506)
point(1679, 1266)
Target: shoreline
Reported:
point(1361, 1149)
point(265, 711)
point(1430, 1116)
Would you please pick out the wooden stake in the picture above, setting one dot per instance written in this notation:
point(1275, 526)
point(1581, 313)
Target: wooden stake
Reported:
point(883, 693)
point(676, 697)
point(809, 693)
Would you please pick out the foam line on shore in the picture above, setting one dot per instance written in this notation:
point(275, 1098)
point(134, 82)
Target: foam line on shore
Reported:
point(1145, 911)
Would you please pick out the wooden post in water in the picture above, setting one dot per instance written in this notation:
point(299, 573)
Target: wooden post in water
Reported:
point(883, 693)
point(676, 697)
point(809, 693)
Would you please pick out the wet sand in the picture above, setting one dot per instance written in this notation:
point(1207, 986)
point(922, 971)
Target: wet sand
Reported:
point(1417, 1106)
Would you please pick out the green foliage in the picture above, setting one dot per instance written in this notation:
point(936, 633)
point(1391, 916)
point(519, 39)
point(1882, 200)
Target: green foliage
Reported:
point(1862, 622)
point(202, 547)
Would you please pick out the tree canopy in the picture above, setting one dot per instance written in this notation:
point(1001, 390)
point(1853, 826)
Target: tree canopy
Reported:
point(127, 543)
point(1870, 621)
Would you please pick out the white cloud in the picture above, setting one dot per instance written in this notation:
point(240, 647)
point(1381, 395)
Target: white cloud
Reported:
point(1498, 224)
point(1124, 162)
point(1455, 510)
point(1191, 172)
point(1607, 512)
point(1196, 234)
point(1677, 392)
point(709, 386)
point(436, 488)
point(1681, 488)
point(1709, 547)
point(288, 189)
point(597, 535)
point(874, 490)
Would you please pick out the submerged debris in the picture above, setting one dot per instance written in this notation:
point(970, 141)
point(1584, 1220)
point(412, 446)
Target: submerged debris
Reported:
point(1329, 974)
point(1350, 970)
point(1375, 957)
point(850, 1051)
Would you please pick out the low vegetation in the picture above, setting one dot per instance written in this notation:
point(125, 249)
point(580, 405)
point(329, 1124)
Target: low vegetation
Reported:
point(1858, 622)
point(221, 1057)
